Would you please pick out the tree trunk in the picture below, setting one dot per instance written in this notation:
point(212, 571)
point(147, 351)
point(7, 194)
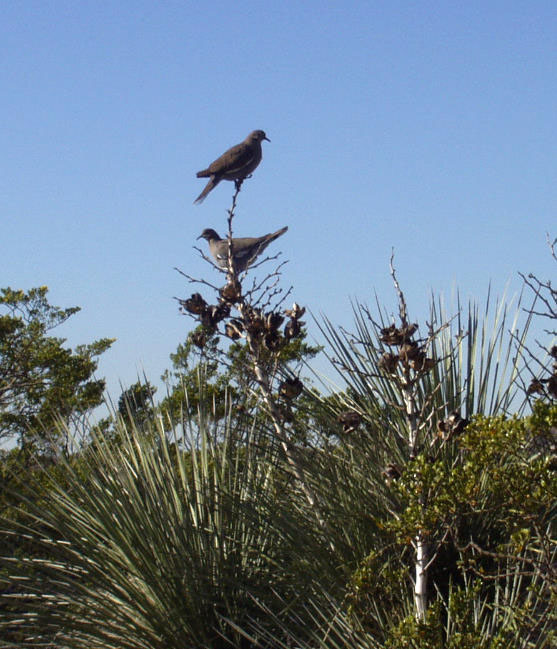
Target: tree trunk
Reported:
point(420, 587)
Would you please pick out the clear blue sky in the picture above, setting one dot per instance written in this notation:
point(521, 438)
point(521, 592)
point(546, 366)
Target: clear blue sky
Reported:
point(425, 126)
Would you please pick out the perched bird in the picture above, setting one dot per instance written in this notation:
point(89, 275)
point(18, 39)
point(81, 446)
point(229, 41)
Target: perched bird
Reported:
point(244, 250)
point(235, 164)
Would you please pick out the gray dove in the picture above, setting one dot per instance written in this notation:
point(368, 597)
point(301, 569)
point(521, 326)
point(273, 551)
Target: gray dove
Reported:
point(244, 250)
point(235, 164)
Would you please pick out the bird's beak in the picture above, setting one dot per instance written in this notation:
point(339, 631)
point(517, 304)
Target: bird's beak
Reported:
point(266, 138)
point(199, 237)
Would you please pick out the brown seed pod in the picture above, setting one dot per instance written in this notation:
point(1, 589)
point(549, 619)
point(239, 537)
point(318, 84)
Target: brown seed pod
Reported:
point(388, 362)
point(391, 473)
point(273, 321)
point(220, 311)
point(231, 292)
point(552, 385)
point(441, 428)
point(454, 424)
point(350, 420)
point(535, 387)
point(408, 331)
point(411, 352)
point(293, 328)
point(422, 364)
point(195, 304)
point(214, 314)
point(255, 326)
point(295, 312)
point(198, 338)
point(291, 388)
point(391, 335)
point(234, 328)
point(272, 341)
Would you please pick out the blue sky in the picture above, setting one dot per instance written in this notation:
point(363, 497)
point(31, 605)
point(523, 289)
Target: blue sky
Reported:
point(427, 127)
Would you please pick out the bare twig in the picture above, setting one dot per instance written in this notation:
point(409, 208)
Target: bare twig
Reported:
point(195, 280)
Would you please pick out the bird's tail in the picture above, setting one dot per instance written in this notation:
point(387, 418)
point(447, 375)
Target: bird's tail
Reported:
point(208, 187)
point(268, 238)
point(277, 234)
point(204, 173)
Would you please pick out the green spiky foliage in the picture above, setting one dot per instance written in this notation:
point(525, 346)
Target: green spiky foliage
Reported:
point(154, 542)
point(488, 515)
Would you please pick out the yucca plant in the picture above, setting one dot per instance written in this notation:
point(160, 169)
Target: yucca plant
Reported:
point(409, 398)
point(143, 544)
point(489, 561)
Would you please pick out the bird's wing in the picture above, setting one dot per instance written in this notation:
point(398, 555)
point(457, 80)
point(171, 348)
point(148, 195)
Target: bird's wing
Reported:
point(235, 159)
point(246, 247)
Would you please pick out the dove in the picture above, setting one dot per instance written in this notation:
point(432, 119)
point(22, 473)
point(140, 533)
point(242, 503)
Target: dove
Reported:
point(245, 250)
point(235, 164)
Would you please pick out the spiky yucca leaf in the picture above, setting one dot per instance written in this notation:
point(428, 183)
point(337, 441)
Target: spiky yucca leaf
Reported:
point(478, 359)
point(142, 545)
point(329, 628)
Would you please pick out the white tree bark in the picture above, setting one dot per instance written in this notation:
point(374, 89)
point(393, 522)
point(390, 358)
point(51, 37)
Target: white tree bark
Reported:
point(420, 587)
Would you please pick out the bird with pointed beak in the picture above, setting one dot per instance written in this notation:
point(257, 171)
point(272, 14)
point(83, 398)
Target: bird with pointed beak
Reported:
point(235, 164)
point(245, 250)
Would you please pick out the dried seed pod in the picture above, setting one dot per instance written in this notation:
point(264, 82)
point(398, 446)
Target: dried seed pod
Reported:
point(214, 314)
point(410, 351)
point(293, 328)
point(273, 321)
point(195, 304)
point(296, 311)
point(272, 341)
point(255, 326)
point(441, 428)
point(455, 422)
point(391, 473)
point(231, 292)
point(198, 338)
point(388, 362)
point(460, 425)
point(391, 335)
point(422, 364)
point(535, 387)
point(350, 420)
point(553, 351)
point(206, 320)
point(408, 331)
point(220, 311)
point(291, 388)
point(552, 385)
point(234, 328)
